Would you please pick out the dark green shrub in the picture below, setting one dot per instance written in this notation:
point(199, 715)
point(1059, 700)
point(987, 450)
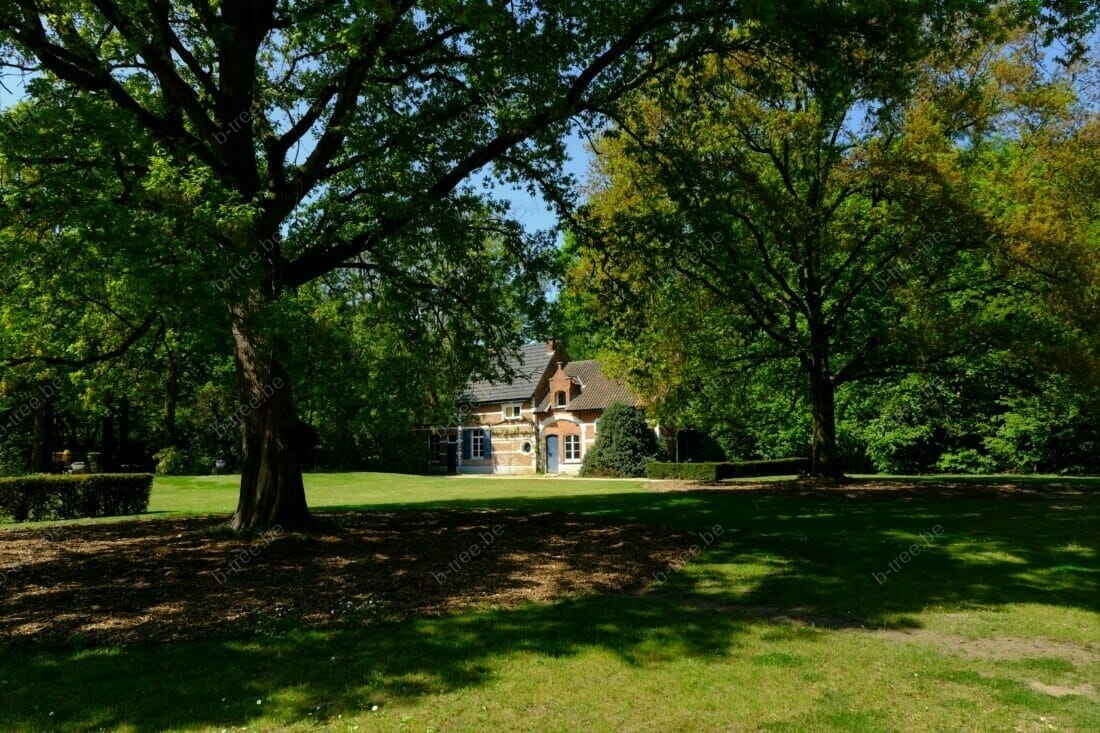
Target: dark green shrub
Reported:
point(624, 442)
point(697, 447)
point(14, 458)
point(44, 496)
point(402, 456)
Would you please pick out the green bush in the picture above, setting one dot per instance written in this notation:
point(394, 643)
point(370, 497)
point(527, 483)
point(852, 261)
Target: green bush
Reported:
point(176, 461)
point(14, 458)
point(698, 447)
point(401, 456)
point(966, 460)
point(171, 461)
point(43, 496)
point(624, 442)
point(719, 471)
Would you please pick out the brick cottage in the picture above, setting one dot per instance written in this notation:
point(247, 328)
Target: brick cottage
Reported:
point(544, 419)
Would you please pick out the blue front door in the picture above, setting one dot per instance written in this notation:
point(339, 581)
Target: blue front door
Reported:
point(551, 454)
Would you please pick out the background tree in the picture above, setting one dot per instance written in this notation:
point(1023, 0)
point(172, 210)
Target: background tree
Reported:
point(752, 182)
point(743, 224)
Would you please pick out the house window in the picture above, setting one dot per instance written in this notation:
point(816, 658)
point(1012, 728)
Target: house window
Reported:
point(527, 447)
point(433, 445)
point(572, 447)
point(477, 447)
point(559, 399)
point(513, 411)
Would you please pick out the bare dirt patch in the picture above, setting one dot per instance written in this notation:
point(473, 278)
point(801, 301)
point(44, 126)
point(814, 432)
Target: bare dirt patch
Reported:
point(159, 580)
point(1061, 690)
point(1006, 648)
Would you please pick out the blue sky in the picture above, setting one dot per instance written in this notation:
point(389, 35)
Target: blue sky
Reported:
point(533, 212)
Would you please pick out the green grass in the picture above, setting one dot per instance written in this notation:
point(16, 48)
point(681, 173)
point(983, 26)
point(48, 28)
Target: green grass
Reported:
point(218, 494)
point(777, 626)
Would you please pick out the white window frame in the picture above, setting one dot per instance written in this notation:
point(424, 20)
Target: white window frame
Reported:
point(563, 401)
point(516, 407)
point(477, 445)
point(435, 443)
point(572, 449)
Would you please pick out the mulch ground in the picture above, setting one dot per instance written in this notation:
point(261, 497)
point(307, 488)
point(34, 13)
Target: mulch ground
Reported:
point(159, 580)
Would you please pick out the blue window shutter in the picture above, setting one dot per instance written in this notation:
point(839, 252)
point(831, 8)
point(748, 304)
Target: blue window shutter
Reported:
point(486, 444)
point(466, 441)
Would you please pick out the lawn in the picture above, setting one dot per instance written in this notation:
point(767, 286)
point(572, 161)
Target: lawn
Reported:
point(782, 618)
point(218, 494)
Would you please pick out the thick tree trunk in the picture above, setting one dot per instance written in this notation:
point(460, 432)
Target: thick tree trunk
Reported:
point(124, 433)
point(108, 446)
point(272, 492)
point(40, 448)
point(171, 399)
point(824, 460)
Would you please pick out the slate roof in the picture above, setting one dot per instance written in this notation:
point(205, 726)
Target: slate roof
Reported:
point(597, 391)
point(529, 368)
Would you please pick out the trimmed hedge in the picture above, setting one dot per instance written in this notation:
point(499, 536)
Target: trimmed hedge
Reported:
point(719, 471)
point(684, 471)
point(46, 496)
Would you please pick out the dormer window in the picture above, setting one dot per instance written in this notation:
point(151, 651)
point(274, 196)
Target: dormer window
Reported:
point(560, 399)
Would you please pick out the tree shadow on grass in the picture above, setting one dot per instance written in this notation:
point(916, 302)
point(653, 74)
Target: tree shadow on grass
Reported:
point(781, 560)
point(322, 674)
point(977, 545)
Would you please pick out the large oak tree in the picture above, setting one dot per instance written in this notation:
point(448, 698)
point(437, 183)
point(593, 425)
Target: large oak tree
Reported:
point(288, 140)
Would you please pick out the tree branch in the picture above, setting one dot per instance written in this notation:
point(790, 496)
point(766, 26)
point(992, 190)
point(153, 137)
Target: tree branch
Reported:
point(136, 334)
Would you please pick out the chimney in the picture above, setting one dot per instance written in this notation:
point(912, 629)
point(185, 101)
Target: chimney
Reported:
point(551, 346)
